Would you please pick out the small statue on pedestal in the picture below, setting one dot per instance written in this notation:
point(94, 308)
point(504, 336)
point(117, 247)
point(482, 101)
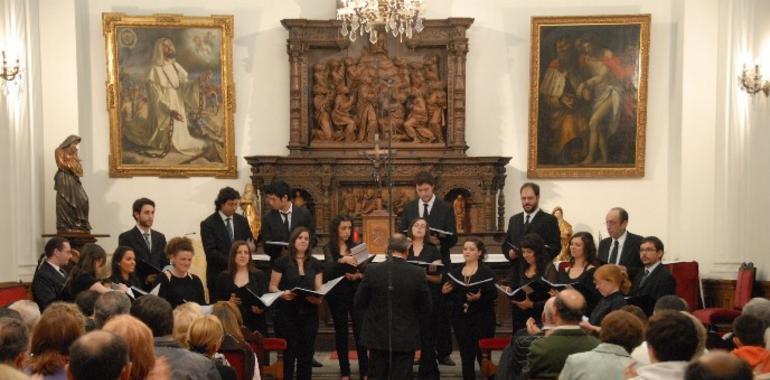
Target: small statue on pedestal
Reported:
point(565, 233)
point(250, 206)
point(459, 209)
point(71, 198)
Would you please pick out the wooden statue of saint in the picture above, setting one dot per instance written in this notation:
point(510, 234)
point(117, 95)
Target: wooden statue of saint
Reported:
point(71, 198)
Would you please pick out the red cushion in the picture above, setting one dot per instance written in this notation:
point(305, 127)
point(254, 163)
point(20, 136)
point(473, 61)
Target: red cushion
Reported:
point(716, 315)
point(11, 295)
point(494, 344)
point(687, 282)
point(743, 287)
point(238, 362)
point(274, 344)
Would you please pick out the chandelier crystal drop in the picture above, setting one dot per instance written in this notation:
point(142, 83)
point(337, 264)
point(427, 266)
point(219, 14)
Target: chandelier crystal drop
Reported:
point(401, 18)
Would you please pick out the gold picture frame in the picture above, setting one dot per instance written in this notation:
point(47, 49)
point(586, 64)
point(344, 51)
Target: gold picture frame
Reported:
point(170, 95)
point(588, 96)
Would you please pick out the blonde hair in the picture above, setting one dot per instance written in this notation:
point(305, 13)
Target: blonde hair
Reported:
point(184, 315)
point(230, 317)
point(205, 335)
point(140, 344)
point(614, 274)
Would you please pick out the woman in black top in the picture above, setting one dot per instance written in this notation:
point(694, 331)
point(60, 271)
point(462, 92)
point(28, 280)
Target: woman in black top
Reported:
point(581, 267)
point(241, 273)
point(535, 263)
point(612, 282)
point(424, 251)
point(124, 267)
point(473, 309)
point(83, 274)
point(178, 285)
point(339, 262)
point(296, 317)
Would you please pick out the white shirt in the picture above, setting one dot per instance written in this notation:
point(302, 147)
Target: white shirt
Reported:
point(651, 268)
point(621, 240)
point(146, 234)
point(58, 269)
point(531, 216)
point(287, 214)
point(421, 208)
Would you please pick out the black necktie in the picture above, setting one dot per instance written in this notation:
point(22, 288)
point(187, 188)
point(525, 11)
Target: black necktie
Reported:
point(644, 276)
point(425, 210)
point(229, 229)
point(285, 217)
point(614, 253)
point(526, 222)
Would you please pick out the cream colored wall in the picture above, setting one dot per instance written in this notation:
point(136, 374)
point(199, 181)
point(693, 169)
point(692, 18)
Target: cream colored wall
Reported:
point(680, 199)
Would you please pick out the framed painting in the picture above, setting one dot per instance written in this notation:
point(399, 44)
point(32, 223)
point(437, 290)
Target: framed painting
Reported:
point(170, 95)
point(588, 96)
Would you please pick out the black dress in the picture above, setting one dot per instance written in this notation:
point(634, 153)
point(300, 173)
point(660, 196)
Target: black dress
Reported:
point(473, 320)
point(431, 325)
point(606, 305)
point(178, 290)
point(81, 282)
point(297, 320)
point(133, 280)
point(257, 284)
point(586, 279)
point(517, 279)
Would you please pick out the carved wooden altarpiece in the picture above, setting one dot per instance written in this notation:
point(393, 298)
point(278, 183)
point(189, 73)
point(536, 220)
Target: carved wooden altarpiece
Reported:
point(346, 96)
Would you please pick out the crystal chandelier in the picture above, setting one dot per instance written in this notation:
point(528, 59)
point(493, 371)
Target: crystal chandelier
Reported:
point(399, 17)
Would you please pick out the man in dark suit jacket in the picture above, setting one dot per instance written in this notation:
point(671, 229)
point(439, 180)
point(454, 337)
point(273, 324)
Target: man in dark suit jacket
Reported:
point(219, 231)
point(531, 220)
point(655, 280)
point(393, 288)
point(283, 218)
point(621, 247)
point(48, 282)
point(440, 215)
point(149, 245)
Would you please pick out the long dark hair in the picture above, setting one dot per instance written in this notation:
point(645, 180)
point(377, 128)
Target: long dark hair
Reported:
point(292, 251)
point(427, 231)
point(332, 247)
point(232, 267)
point(535, 243)
point(117, 257)
point(589, 248)
point(90, 254)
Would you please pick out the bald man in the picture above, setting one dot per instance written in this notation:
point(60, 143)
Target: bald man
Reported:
point(718, 365)
point(99, 355)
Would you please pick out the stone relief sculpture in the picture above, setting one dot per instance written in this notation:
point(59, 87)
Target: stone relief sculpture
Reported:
point(71, 198)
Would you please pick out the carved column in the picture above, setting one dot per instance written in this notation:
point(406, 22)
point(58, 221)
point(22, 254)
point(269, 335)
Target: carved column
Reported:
point(297, 49)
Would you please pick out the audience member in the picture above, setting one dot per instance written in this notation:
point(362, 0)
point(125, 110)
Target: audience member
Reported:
point(514, 357)
point(9, 313)
point(620, 333)
point(148, 245)
point(205, 337)
point(157, 314)
point(613, 284)
point(59, 326)
point(109, 305)
point(230, 317)
point(48, 281)
point(749, 338)
point(760, 307)
point(641, 355)
point(85, 301)
point(547, 355)
point(184, 315)
point(123, 264)
point(637, 312)
point(621, 247)
point(14, 338)
point(718, 365)
point(29, 311)
point(178, 285)
point(672, 340)
point(655, 280)
point(99, 355)
point(138, 336)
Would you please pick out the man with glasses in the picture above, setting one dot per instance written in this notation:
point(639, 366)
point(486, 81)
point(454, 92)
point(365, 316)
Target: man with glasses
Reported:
point(621, 247)
point(654, 280)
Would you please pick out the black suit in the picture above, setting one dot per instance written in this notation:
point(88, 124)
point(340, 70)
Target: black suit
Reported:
point(47, 285)
point(217, 244)
point(273, 229)
point(629, 255)
point(409, 299)
point(543, 224)
point(156, 257)
point(659, 282)
point(441, 216)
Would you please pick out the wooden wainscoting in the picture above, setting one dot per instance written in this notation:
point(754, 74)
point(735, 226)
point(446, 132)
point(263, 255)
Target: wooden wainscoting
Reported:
point(719, 293)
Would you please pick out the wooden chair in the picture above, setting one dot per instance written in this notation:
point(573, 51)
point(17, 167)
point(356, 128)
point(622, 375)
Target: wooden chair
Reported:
point(713, 316)
point(486, 346)
point(688, 285)
point(237, 362)
point(263, 346)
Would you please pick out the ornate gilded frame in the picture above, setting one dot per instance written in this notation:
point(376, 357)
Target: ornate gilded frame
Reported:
point(585, 34)
point(225, 90)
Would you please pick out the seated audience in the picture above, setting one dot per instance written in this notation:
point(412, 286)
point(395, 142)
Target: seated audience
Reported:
point(547, 355)
point(138, 336)
point(205, 337)
point(760, 308)
point(654, 279)
point(621, 332)
point(230, 317)
point(749, 338)
point(672, 341)
point(84, 273)
point(184, 315)
point(157, 314)
point(59, 326)
point(14, 338)
point(85, 302)
point(670, 302)
point(514, 357)
point(241, 273)
point(718, 365)
point(612, 283)
point(637, 312)
point(48, 281)
point(109, 305)
point(123, 266)
point(29, 311)
point(178, 285)
point(99, 355)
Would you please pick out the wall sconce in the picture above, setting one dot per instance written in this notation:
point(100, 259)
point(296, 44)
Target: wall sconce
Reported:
point(9, 74)
point(751, 81)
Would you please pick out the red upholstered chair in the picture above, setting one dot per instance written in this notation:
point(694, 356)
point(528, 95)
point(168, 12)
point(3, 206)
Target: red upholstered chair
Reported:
point(238, 362)
point(486, 346)
point(687, 282)
point(12, 294)
point(743, 288)
point(278, 346)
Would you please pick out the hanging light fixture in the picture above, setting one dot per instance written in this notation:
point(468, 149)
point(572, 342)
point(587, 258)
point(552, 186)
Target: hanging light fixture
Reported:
point(402, 18)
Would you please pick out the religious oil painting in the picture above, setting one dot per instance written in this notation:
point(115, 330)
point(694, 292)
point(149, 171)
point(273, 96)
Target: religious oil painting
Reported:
point(170, 95)
point(588, 96)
